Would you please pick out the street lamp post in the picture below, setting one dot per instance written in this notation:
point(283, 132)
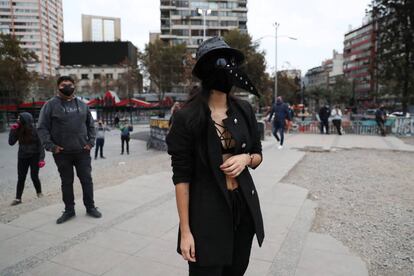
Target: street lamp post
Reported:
point(275, 91)
point(276, 25)
point(204, 13)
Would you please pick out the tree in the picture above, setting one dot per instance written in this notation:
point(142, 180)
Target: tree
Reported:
point(163, 65)
point(341, 92)
point(44, 87)
point(14, 76)
point(255, 64)
point(395, 56)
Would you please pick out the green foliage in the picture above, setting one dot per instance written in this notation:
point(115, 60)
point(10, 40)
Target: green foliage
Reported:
point(255, 64)
point(15, 79)
point(395, 55)
point(163, 64)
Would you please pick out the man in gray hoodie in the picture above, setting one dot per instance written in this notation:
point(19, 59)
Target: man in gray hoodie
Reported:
point(66, 128)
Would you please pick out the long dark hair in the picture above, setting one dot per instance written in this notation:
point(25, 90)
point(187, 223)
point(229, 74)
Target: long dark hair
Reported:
point(25, 134)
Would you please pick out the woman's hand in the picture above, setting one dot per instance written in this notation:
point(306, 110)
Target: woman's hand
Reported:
point(235, 164)
point(187, 246)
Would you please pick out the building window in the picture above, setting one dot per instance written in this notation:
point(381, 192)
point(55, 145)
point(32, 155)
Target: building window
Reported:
point(84, 76)
point(109, 76)
point(96, 76)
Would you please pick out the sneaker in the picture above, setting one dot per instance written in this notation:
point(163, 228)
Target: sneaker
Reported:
point(39, 195)
point(280, 147)
point(16, 202)
point(93, 212)
point(66, 215)
point(103, 157)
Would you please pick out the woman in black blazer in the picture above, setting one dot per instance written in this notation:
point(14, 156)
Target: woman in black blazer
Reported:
point(212, 141)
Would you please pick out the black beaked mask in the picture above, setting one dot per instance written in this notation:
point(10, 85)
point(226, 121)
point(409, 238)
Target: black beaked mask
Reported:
point(225, 74)
point(67, 90)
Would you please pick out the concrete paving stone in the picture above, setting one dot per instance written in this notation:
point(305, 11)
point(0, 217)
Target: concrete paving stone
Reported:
point(69, 229)
point(257, 268)
point(269, 248)
point(110, 210)
point(161, 181)
point(129, 194)
point(25, 245)
point(8, 231)
point(326, 243)
point(144, 267)
point(171, 235)
point(163, 252)
point(120, 241)
point(31, 220)
point(328, 263)
point(90, 258)
point(155, 223)
point(51, 269)
point(272, 212)
point(278, 227)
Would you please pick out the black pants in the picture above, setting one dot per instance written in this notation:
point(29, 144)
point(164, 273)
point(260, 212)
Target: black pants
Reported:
point(23, 165)
point(126, 141)
point(381, 126)
point(337, 124)
point(82, 163)
point(243, 238)
point(99, 146)
point(279, 127)
point(325, 124)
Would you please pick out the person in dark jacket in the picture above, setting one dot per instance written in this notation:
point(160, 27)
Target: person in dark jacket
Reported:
point(66, 128)
point(380, 118)
point(213, 140)
point(126, 130)
point(281, 113)
point(100, 139)
point(31, 154)
point(324, 114)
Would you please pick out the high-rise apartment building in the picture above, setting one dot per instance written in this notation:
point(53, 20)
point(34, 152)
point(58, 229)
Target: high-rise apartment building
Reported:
point(359, 59)
point(184, 21)
point(39, 27)
point(100, 28)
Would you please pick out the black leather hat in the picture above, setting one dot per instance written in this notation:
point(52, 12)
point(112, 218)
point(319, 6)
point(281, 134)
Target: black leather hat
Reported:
point(214, 47)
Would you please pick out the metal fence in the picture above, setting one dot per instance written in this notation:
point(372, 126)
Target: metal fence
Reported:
point(396, 126)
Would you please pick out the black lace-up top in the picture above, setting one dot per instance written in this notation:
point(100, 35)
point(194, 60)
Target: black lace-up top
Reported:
point(227, 142)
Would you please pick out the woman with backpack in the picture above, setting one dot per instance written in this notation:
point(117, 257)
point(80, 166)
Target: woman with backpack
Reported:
point(31, 154)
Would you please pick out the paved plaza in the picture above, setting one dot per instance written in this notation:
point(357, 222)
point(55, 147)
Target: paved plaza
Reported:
point(138, 231)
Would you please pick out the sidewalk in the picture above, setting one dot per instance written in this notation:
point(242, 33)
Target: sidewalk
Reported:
point(137, 234)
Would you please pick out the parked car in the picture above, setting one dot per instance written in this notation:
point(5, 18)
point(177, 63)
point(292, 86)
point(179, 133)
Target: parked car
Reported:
point(369, 114)
point(400, 114)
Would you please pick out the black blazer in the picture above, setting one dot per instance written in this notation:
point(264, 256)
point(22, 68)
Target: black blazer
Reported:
point(210, 213)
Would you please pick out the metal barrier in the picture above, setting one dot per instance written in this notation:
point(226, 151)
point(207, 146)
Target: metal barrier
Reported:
point(396, 126)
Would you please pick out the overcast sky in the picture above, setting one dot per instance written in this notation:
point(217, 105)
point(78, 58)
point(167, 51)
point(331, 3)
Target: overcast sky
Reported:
point(319, 25)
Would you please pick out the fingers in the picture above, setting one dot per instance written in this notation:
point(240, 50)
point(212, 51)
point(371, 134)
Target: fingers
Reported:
point(192, 253)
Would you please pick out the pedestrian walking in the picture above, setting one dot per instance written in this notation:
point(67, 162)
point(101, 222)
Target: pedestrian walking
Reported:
point(336, 115)
point(100, 139)
point(30, 155)
point(324, 114)
point(289, 122)
point(281, 113)
point(126, 129)
point(380, 118)
point(66, 128)
point(212, 141)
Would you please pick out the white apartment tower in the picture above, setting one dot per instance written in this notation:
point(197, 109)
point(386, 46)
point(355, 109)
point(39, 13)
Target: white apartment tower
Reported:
point(100, 28)
point(184, 21)
point(38, 24)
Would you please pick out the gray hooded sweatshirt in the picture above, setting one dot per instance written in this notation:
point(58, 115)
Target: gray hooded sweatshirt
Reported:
point(66, 123)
